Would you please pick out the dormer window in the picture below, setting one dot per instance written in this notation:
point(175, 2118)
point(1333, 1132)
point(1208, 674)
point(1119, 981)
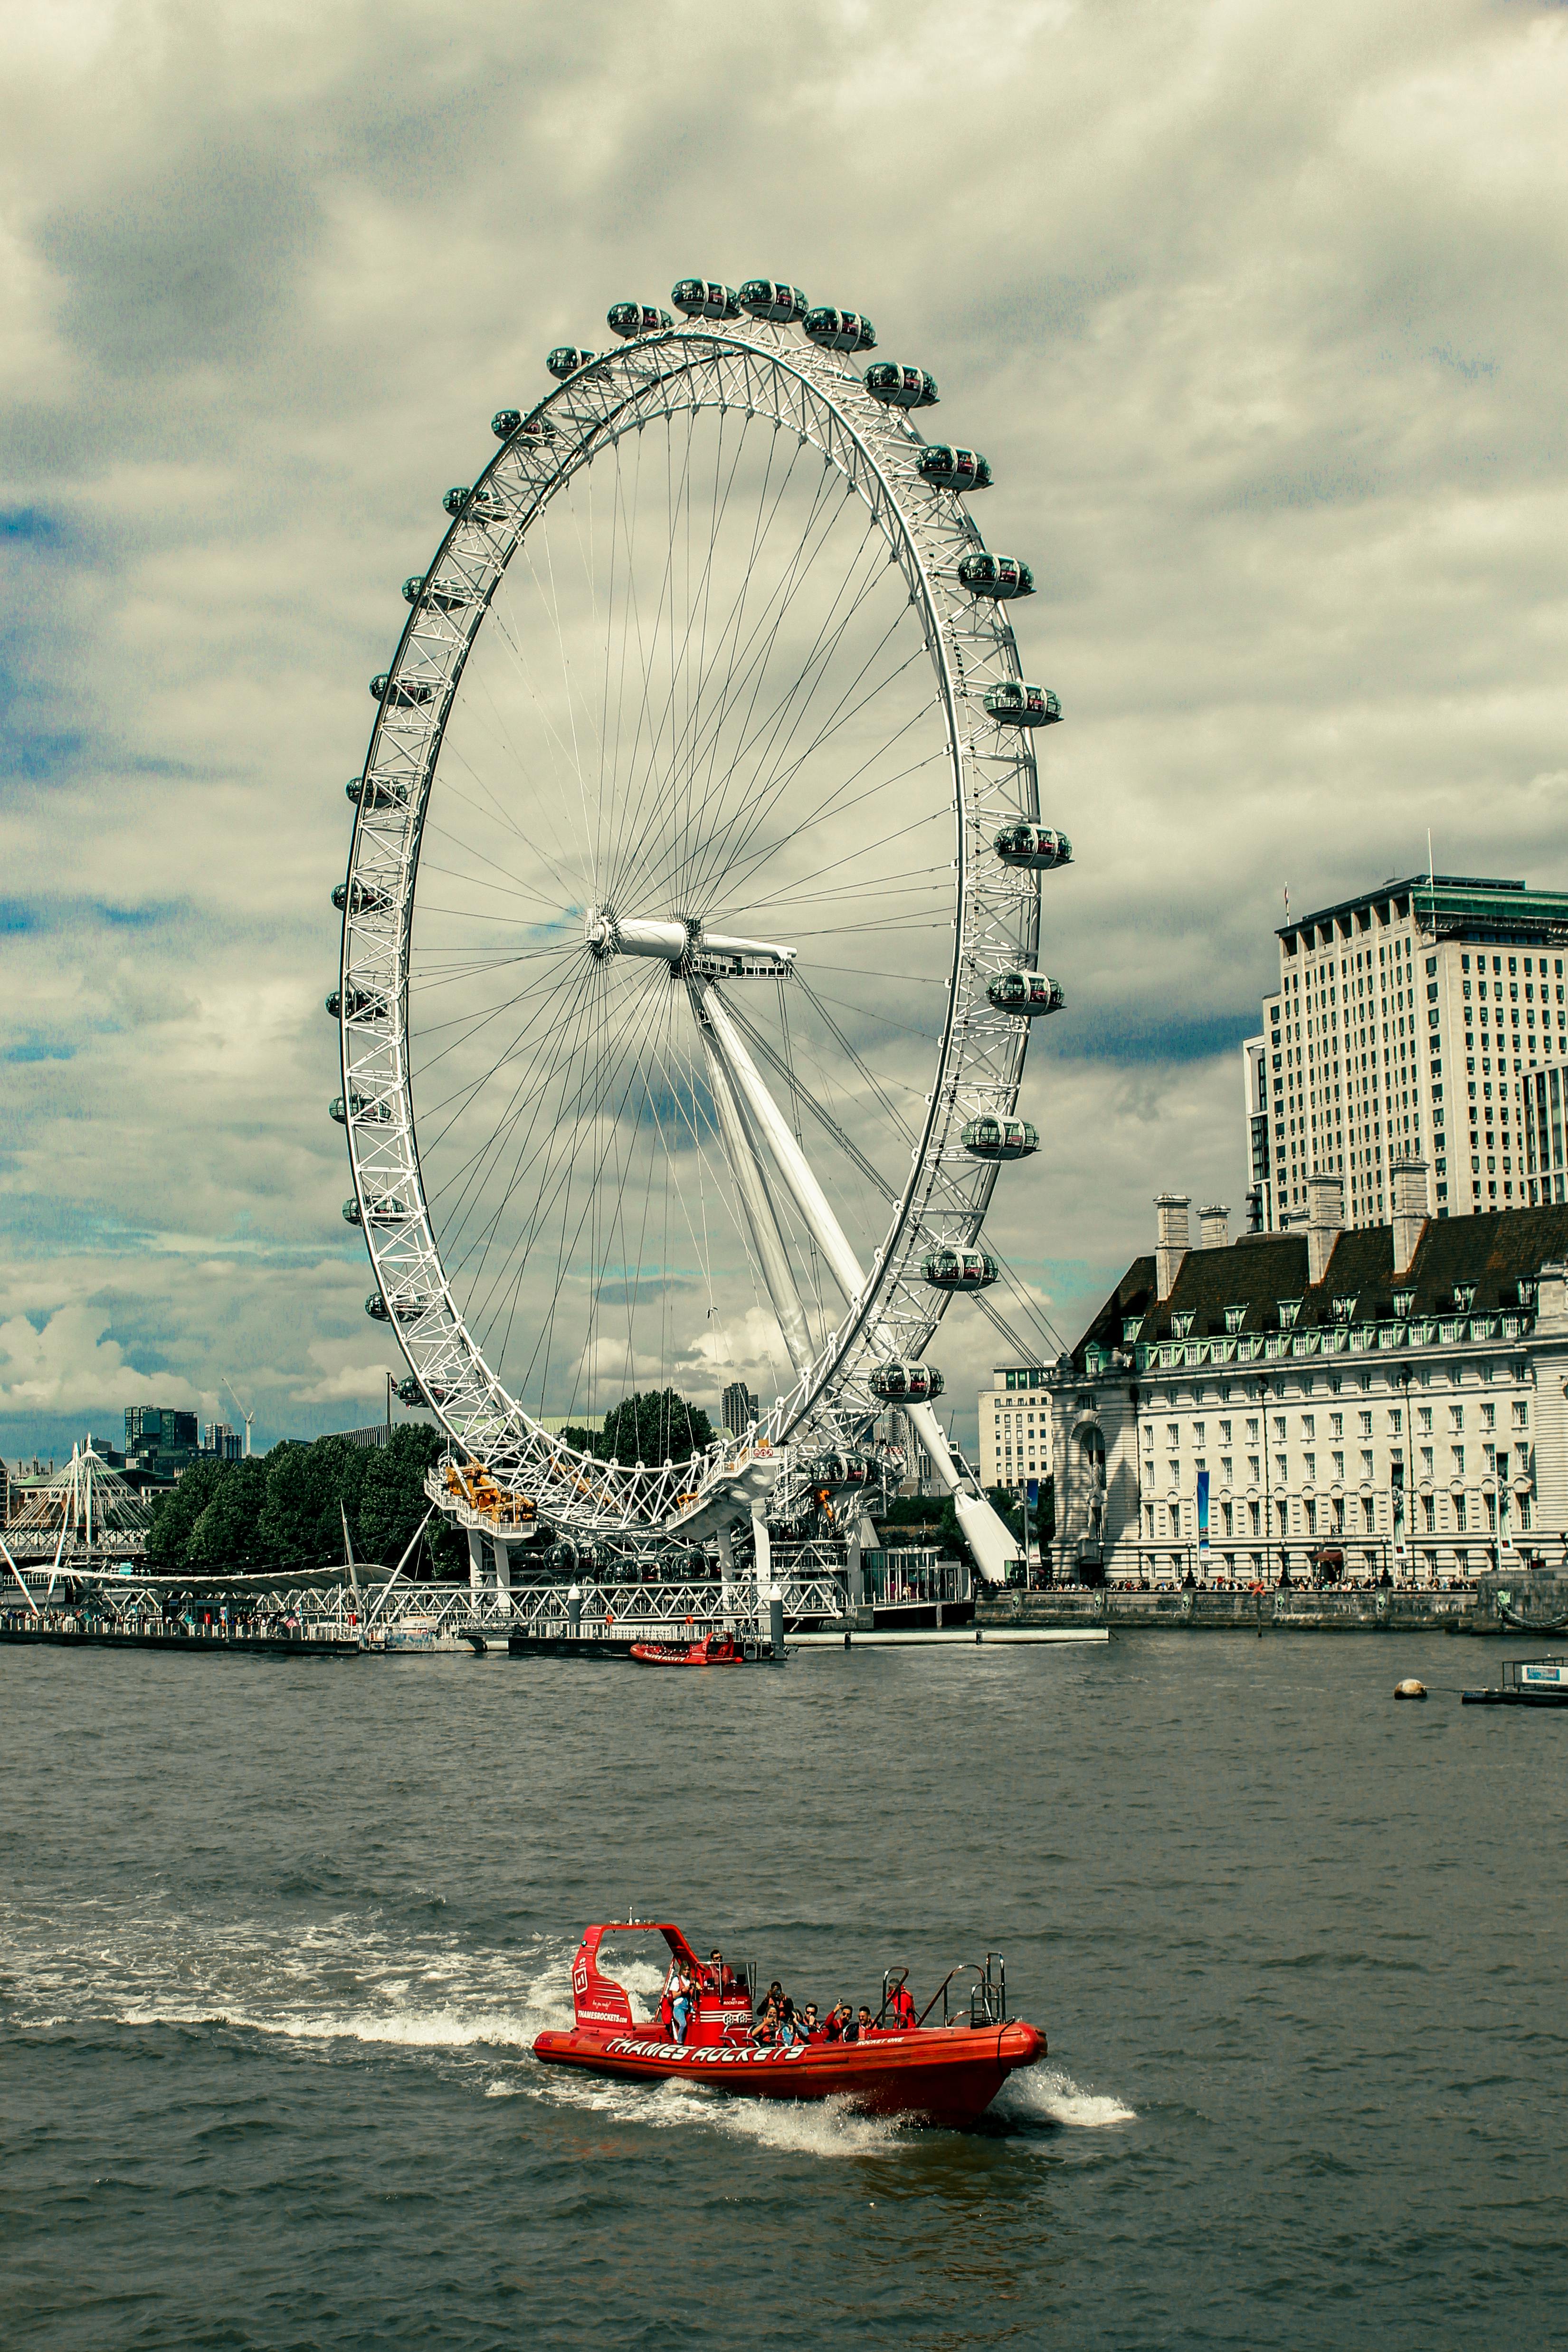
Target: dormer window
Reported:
point(1464, 1295)
point(1289, 1310)
point(1402, 1302)
point(1131, 1327)
point(1345, 1308)
point(1527, 1294)
point(1234, 1318)
point(1180, 1326)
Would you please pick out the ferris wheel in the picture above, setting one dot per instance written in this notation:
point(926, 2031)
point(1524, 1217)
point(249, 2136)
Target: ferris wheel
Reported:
point(690, 929)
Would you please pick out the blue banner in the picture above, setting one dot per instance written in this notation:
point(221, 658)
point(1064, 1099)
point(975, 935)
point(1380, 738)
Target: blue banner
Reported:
point(1202, 1513)
point(1031, 1488)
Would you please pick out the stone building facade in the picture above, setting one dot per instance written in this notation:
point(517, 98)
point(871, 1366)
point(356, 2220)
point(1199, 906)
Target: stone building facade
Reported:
point(1395, 1395)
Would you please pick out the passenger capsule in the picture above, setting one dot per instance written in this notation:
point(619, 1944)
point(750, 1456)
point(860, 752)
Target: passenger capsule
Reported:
point(386, 1210)
point(1025, 994)
point(364, 1107)
point(402, 1310)
point(352, 1211)
point(631, 318)
point(960, 1269)
point(704, 298)
point(953, 469)
point(839, 331)
point(1015, 704)
point(356, 1004)
point(1000, 1138)
point(1037, 845)
point(1002, 577)
point(358, 898)
point(782, 305)
point(377, 1309)
point(446, 596)
point(565, 360)
point(370, 793)
point(901, 387)
point(475, 505)
point(898, 1383)
point(408, 694)
point(504, 423)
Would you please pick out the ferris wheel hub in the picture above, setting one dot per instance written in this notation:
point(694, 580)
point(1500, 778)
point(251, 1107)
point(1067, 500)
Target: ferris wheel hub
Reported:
point(683, 944)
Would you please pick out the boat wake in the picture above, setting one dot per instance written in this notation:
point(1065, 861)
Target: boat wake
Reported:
point(1046, 2097)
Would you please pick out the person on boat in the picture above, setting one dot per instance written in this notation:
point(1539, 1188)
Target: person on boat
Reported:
point(685, 1994)
point(792, 2029)
point(840, 2016)
point(863, 2023)
point(901, 2008)
point(813, 2031)
point(774, 1997)
point(765, 2033)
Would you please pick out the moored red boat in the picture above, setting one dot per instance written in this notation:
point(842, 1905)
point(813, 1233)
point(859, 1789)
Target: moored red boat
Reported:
point(947, 2073)
point(713, 1650)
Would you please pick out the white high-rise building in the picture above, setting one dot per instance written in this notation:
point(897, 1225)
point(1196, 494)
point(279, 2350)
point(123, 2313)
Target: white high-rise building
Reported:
point(1014, 1426)
point(1426, 1019)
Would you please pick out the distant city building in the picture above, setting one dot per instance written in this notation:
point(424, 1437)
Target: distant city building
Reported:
point(1014, 1426)
point(1390, 1398)
point(738, 1408)
point(159, 1441)
point(223, 1441)
point(1375, 996)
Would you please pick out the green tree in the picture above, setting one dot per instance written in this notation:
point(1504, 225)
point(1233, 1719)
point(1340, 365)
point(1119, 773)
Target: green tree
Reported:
point(307, 1487)
point(392, 1501)
point(175, 1514)
point(653, 1427)
point(226, 1537)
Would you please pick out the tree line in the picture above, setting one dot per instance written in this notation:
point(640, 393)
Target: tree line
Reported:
point(285, 1509)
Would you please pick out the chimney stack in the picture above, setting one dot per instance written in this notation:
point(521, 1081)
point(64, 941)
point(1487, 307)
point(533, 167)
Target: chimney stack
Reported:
point(1325, 1222)
point(1213, 1226)
point(1171, 1239)
point(1407, 1179)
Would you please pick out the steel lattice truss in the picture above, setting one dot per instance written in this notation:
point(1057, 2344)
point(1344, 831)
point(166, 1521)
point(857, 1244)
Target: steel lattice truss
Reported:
point(767, 374)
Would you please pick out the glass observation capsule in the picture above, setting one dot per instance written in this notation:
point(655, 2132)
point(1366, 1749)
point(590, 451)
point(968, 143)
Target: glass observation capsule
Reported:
point(1001, 576)
point(402, 1310)
point(562, 1556)
point(1025, 993)
point(953, 469)
point(898, 1383)
point(446, 596)
point(1015, 703)
point(363, 1107)
point(369, 793)
point(565, 360)
point(901, 387)
point(839, 331)
point(1000, 1138)
point(406, 695)
point(358, 899)
point(356, 1004)
point(704, 298)
point(408, 1391)
point(504, 423)
point(475, 505)
point(1040, 846)
point(631, 318)
point(959, 1269)
point(765, 298)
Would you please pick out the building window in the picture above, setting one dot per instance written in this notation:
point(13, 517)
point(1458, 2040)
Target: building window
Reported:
point(1462, 1514)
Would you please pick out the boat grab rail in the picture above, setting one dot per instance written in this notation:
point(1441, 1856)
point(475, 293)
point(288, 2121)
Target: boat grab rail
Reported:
point(988, 1993)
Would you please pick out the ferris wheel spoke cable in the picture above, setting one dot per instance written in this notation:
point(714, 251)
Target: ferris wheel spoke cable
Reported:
point(884, 785)
point(757, 735)
point(748, 662)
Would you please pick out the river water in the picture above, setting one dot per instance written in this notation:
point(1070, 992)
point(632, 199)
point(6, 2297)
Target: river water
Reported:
point(275, 1935)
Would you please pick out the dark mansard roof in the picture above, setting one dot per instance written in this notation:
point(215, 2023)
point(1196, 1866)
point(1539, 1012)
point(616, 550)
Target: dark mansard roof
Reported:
point(1494, 1253)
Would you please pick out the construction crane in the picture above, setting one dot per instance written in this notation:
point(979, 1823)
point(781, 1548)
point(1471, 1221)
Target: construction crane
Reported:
point(246, 1417)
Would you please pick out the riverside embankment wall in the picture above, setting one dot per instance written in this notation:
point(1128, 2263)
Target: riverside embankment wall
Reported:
point(1208, 1612)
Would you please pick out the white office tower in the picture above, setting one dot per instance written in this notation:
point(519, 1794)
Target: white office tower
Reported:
point(1426, 1019)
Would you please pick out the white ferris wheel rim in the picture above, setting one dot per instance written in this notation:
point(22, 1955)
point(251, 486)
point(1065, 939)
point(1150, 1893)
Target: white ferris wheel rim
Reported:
point(996, 909)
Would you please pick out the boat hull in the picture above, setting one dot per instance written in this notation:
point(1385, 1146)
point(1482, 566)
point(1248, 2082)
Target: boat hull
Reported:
point(941, 2075)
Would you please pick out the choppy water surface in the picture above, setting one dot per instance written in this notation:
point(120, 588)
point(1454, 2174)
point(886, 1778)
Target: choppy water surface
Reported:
point(275, 1937)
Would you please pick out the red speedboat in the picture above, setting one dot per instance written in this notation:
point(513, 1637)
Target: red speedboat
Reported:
point(713, 1650)
point(947, 2073)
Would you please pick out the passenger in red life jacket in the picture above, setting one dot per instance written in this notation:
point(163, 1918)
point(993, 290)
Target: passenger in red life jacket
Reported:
point(900, 2009)
point(863, 2025)
point(840, 2016)
point(812, 2029)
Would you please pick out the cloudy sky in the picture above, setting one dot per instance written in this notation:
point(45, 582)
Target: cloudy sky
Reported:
point(1257, 311)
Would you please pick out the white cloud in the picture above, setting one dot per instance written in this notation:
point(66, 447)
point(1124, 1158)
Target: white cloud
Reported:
point(1249, 307)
